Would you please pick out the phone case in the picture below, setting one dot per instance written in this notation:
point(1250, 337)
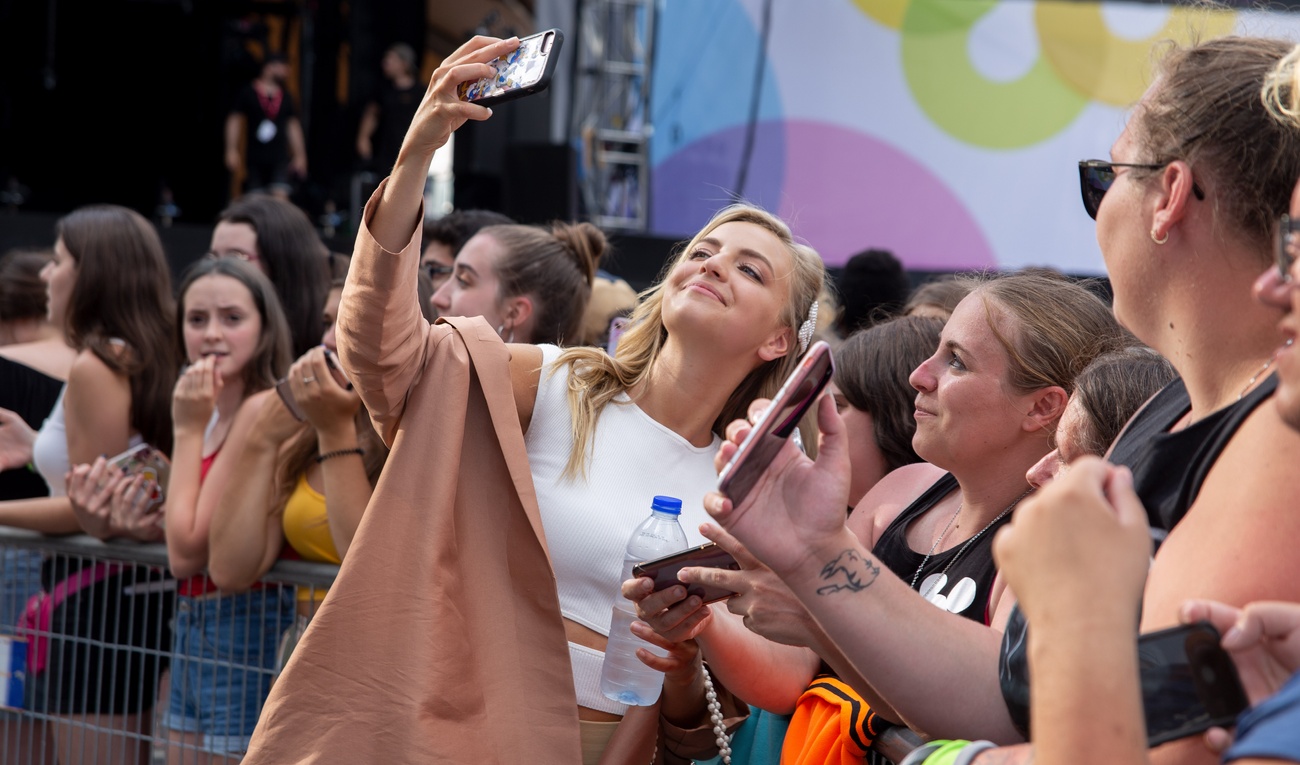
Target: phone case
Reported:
point(663, 571)
point(528, 69)
point(290, 403)
point(148, 461)
point(777, 422)
point(1189, 683)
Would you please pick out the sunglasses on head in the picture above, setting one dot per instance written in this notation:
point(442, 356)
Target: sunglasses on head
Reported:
point(1096, 176)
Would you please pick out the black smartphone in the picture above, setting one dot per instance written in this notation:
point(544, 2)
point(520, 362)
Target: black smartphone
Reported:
point(528, 69)
point(286, 393)
point(777, 422)
point(663, 571)
point(290, 403)
point(1189, 683)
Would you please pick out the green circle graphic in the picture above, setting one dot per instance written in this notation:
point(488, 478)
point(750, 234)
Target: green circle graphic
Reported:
point(970, 108)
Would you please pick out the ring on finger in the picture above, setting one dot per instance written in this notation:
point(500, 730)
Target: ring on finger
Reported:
point(308, 379)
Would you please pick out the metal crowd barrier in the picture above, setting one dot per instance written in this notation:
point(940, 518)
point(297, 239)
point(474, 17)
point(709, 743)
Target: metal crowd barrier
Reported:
point(89, 672)
point(92, 671)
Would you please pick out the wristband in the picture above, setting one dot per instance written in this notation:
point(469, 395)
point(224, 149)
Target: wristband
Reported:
point(340, 453)
point(973, 750)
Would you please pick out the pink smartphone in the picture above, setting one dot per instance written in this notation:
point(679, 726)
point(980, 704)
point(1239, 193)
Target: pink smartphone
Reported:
point(777, 422)
point(663, 571)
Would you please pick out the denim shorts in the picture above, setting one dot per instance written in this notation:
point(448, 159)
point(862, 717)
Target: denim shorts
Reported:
point(223, 661)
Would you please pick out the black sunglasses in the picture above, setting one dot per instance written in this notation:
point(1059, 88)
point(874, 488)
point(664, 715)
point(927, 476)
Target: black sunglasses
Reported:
point(1287, 228)
point(1096, 176)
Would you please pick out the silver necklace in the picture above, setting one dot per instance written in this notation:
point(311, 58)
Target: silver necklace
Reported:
point(1262, 370)
point(943, 574)
point(935, 546)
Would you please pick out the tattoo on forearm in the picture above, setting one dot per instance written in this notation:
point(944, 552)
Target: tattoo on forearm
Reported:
point(849, 571)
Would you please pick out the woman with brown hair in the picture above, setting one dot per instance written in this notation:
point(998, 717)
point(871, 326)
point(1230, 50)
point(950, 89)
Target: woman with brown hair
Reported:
point(529, 282)
point(110, 287)
point(1186, 218)
point(302, 483)
point(988, 400)
point(279, 239)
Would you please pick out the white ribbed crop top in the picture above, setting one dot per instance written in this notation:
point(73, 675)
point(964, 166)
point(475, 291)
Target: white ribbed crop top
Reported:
point(588, 523)
point(50, 449)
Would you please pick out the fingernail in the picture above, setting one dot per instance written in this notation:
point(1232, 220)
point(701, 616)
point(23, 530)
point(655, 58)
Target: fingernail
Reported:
point(489, 111)
point(679, 592)
point(693, 601)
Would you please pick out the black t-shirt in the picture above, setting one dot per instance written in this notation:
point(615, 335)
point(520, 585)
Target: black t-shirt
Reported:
point(397, 108)
point(265, 120)
point(31, 394)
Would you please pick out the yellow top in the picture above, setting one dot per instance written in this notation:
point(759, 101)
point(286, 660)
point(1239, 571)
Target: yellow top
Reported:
point(307, 530)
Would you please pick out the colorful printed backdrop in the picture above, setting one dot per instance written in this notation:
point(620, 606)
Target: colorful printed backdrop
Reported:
point(945, 130)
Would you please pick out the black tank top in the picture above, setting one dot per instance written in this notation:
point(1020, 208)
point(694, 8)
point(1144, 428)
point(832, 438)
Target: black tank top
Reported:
point(1169, 468)
point(1168, 471)
point(975, 564)
point(968, 570)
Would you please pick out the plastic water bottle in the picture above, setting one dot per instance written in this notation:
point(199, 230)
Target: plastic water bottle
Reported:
point(623, 677)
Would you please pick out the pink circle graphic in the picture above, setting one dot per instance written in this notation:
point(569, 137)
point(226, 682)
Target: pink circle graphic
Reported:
point(845, 191)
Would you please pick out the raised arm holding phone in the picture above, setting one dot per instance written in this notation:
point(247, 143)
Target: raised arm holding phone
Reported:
point(723, 328)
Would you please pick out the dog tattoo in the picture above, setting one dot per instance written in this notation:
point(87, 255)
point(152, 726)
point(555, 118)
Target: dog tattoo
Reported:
point(856, 572)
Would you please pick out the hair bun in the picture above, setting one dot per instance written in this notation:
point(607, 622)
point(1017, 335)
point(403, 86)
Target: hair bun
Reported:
point(586, 243)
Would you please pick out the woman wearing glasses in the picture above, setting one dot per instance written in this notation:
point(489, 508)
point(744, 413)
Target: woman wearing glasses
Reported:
point(279, 239)
point(1205, 454)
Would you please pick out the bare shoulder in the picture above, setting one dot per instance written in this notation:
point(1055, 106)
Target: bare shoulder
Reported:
point(525, 375)
point(52, 358)
point(890, 497)
point(251, 405)
point(1236, 543)
point(91, 376)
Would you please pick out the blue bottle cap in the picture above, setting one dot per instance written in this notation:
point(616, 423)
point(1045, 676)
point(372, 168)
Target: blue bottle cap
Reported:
point(670, 505)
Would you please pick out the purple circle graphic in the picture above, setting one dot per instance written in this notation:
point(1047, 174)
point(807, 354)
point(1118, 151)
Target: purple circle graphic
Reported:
point(696, 181)
point(840, 190)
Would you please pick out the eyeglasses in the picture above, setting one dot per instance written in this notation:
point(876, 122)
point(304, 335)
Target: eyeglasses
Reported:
point(247, 257)
point(1096, 176)
point(437, 271)
point(1287, 242)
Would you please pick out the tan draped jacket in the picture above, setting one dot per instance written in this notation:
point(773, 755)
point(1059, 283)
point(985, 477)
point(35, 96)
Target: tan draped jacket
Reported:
point(441, 641)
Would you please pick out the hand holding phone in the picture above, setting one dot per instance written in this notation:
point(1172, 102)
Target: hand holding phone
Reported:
point(1189, 683)
point(527, 69)
point(150, 465)
point(777, 422)
point(663, 571)
point(284, 386)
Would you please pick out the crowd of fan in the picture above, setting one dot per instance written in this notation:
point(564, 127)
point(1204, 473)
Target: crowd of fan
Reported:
point(964, 434)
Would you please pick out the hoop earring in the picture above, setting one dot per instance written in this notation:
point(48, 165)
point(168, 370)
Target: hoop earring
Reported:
point(1162, 240)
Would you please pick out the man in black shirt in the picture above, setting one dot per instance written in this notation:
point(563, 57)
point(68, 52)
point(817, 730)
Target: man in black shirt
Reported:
point(264, 113)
